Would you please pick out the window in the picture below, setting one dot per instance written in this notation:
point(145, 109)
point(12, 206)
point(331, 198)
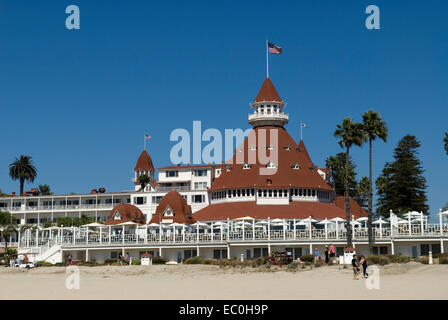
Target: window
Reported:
point(198, 198)
point(117, 215)
point(287, 147)
point(168, 212)
point(252, 147)
point(270, 165)
point(200, 185)
point(200, 173)
point(156, 199)
point(270, 147)
point(172, 173)
point(314, 193)
point(246, 166)
point(295, 165)
point(259, 193)
point(140, 200)
point(275, 193)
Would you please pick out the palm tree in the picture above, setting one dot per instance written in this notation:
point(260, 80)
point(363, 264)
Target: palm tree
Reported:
point(445, 140)
point(350, 133)
point(23, 169)
point(8, 226)
point(143, 180)
point(374, 127)
point(45, 190)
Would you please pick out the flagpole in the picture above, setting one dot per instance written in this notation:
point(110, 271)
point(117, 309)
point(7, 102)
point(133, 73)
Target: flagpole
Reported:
point(144, 142)
point(267, 59)
point(301, 128)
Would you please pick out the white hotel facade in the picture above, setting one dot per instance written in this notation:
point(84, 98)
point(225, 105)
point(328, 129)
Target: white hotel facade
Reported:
point(218, 211)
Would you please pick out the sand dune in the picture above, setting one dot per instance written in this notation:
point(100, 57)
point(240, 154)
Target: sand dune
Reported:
point(405, 281)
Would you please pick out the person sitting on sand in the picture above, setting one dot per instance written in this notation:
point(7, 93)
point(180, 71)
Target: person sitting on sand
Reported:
point(355, 265)
point(363, 263)
point(70, 259)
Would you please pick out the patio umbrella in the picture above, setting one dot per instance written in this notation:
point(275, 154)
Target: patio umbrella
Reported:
point(412, 214)
point(51, 228)
point(200, 224)
point(93, 224)
point(337, 219)
point(175, 224)
point(261, 223)
point(244, 218)
point(380, 221)
point(127, 223)
point(362, 219)
point(153, 225)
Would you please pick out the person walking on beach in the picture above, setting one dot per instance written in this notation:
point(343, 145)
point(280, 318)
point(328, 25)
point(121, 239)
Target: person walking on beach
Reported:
point(128, 258)
point(363, 263)
point(355, 265)
point(316, 255)
point(326, 254)
point(120, 258)
point(332, 253)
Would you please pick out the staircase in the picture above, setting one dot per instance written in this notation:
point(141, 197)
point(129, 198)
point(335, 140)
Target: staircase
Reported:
point(50, 253)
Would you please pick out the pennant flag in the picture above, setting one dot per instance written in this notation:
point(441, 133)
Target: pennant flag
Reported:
point(147, 136)
point(274, 49)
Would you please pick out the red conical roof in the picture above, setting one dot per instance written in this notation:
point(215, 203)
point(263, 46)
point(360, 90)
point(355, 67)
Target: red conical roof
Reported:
point(144, 163)
point(268, 92)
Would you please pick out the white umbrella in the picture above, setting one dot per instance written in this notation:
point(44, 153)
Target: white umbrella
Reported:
point(309, 220)
point(93, 224)
point(337, 219)
point(261, 223)
point(244, 218)
point(175, 224)
point(51, 228)
point(419, 220)
point(127, 223)
point(355, 223)
point(412, 214)
point(302, 223)
point(200, 224)
point(380, 221)
point(277, 220)
point(153, 225)
point(402, 221)
point(362, 219)
point(246, 224)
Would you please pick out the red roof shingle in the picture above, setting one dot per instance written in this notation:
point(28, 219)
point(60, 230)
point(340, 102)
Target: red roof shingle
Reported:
point(268, 92)
point(179, 207)
point(144, 162)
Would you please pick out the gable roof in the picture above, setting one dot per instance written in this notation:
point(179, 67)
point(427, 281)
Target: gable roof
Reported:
point(128, 212)
point(181, 210)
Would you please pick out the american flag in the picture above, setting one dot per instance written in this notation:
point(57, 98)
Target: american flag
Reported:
point(274, 49)
point(147, 136)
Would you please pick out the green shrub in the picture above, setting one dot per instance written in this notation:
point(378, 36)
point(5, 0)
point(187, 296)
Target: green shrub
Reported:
point(398, 258)
point(439, 255)
point(111, 261)
point(319, 263)
point(136, 262)
point(443, 260)
point(424, 260)
point(307, 258)
point(159, 260)
point(194, 260)
point(378, 259)
point(293, 266)
point(44, 263)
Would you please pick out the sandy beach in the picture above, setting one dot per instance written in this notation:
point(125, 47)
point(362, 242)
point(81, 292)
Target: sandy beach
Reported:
point(197, 282)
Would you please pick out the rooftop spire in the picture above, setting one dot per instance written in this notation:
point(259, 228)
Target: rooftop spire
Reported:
point(268, 92)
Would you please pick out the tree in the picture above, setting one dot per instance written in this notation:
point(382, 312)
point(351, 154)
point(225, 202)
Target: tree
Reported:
point(72, 221)
point(445, 208)
point(143, 180)
point(8, 226)
point(362, 193)
point(336, 164)
point(445, 140)
point(45, 190)
point(22, 169)
point(373, 127)
point(350, 134)
point(402, 186)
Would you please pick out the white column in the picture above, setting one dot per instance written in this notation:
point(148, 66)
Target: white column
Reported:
point(440, 222)
point(381, 229)
point(269, 228)
point(73, 235)
point(326, 229)
point(421, 222)
point(101, 236)
point(228, 232)
point(37, 237)
point(244, 229)
point(110, 234)
point(284, 229)
point(87, 235)
point(197, 233)
point(136, 234)
point(253, 230)
point(160, 232)
point(294, 228)
point(183, 233)
point(122, 235)
point(309, 225)
point(392, 246)
point(409, 222)
point(222, 226)
point(174, 234)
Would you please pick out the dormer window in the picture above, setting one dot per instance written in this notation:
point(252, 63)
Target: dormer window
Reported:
point(228, 168)
point(246, 166)
point(117, 215)
point(270, 165)
point(168, 212)
point(287, 147)
point(270, 147)
point(252, 148)
point(295, 166)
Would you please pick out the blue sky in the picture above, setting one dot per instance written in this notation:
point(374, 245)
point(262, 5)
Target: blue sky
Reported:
point(79, 101)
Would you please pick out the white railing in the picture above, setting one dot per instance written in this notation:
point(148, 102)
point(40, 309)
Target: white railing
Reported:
point(237, 235)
